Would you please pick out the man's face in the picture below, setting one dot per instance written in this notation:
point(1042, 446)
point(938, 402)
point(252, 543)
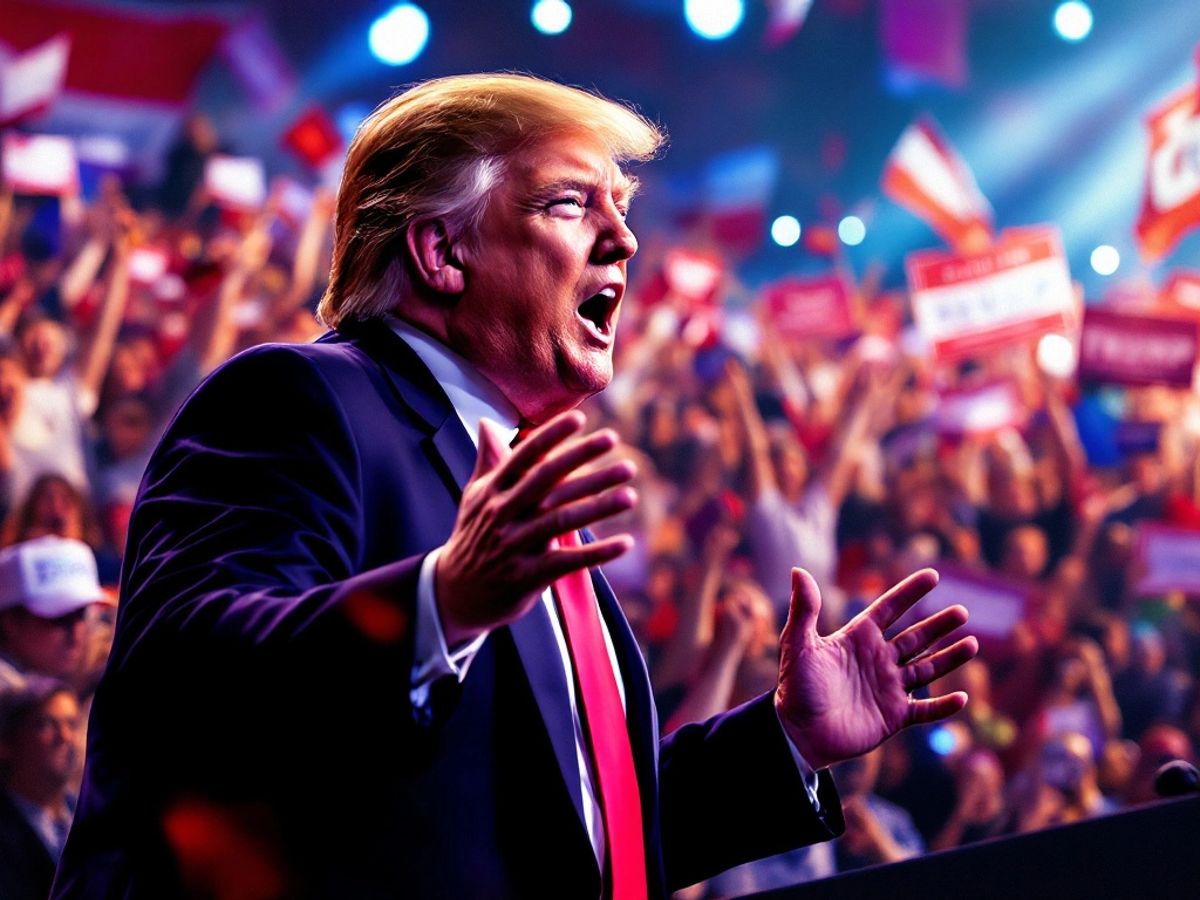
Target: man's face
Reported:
point(545, 277)
point(51, 647)
point(44, 747)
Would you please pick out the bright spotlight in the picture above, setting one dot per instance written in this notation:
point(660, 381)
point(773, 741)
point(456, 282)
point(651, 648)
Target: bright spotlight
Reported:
point(852, 231)
point(399, 36)
point(1056, 356)
point(551, 16)
point(714, 19)
point(1073, 21)
point(785, 231)
point(1105, 259)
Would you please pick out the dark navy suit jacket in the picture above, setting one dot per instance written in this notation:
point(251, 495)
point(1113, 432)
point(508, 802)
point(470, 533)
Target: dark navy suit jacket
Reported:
point(254, 716)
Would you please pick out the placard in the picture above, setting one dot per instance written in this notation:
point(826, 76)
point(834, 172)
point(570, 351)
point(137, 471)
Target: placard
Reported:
point(1120, 348)
point(40, 164)
point(810, 307)
point(996, 604)
point(236, 182)
point(980, 411)
point(965, 304)
point(1169, 559)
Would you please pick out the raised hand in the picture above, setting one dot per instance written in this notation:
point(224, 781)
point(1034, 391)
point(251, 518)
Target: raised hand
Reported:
point(844, 694)
point(503, 551)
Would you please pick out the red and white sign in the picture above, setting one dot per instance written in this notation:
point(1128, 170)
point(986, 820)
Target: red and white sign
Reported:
point(30, 82)
point(1171, 204)
point(1183, 291)
point(738, 187)
point(964, 304)
point(1169, 559)
point(40, 164)
point(926, 176)
point(996, 604)
point(810, 307)
point(693, 275)
point(1137, 350)
point(980, 411)
point(236, 182)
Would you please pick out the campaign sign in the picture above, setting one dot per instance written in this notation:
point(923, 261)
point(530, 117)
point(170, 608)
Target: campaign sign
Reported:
point(40, 164)
point(810, 307)
point(1183, 290)
point(1169, 559)
point(980, 411)
point(236, 182)
point(1119, 348)
point(964, 304)
point(996, 604)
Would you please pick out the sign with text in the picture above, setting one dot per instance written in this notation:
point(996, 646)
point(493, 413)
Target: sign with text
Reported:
point(965, 304)
point(40, 164)
point(1169, 559)
point(980, 411)
point(1171, 200)
point(1120, 348)
point(236, 182)
point(810, 307)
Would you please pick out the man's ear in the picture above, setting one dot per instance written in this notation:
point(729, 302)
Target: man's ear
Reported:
point(435, 256)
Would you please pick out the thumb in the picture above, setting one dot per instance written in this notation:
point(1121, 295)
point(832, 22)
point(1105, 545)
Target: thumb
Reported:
point(805, 605)
point(493, 449)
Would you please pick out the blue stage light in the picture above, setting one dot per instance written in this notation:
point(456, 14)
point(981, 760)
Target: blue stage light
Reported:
point(714, 19)
point(785, 231)
point(399, 36)
point(551, 16)
point(852, 231)
point(1073, 21)
point(1105, 260)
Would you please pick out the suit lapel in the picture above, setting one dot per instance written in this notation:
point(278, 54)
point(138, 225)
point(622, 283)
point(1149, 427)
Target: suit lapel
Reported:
point(452, 450)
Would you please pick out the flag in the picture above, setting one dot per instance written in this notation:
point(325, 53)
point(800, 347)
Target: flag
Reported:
point(924, 42)
point(313, 138)
point(31, 81)
point(928, 178)
point(258, 62)
point(131, 70)
point(1171, 203)
point(738, 187)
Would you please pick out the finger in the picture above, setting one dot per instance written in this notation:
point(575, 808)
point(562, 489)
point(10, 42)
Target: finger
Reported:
point(892, 605)
point(573, 516)
point(546, 474)
point(588, 485)
point(926, 633)
point(805, 605)
point(538, 444)
point(935, 709)
point(925, 669)
point(585, 556)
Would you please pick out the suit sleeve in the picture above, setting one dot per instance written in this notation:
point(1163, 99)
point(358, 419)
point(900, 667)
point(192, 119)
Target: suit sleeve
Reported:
point(730, 793)
point(246, 543)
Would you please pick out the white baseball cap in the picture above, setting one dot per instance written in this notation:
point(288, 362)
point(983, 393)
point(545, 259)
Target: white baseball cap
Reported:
point(49, 576)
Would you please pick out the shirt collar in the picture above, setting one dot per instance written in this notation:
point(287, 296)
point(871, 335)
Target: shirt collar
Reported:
point(470, 393)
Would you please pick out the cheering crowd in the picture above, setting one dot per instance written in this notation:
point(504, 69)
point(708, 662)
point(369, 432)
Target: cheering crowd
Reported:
point(784, 451)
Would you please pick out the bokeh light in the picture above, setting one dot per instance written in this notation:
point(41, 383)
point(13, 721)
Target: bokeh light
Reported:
point(785, 231)
point(852, 231)
point(399, 36)
point(551, 16)
point(1073, 21)
point(714, 19)
point(1105, 259)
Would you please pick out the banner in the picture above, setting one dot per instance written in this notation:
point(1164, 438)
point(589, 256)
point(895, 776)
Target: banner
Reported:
point(32, 81)
point(927, 177)
point(1169, 559)
point(1120, 348)
point(1171, 202)
point(977, 302)
point(810, 307)
point(996, 604)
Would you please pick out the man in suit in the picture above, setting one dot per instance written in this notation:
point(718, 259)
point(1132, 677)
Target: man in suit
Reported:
point(381, 665)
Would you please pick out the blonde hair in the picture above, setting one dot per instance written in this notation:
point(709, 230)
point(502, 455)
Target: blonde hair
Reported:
point(437, 150)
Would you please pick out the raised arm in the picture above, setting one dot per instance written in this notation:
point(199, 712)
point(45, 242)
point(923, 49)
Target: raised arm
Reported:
point(95, 359)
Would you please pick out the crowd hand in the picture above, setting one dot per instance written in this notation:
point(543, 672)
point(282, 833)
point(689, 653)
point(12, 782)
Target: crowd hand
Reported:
point(734, 628)
point(503, 551)
point(845, 693)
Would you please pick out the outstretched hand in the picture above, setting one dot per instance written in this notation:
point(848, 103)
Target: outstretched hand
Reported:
point(844, 694)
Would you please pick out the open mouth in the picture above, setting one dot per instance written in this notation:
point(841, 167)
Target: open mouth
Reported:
point(596, 312)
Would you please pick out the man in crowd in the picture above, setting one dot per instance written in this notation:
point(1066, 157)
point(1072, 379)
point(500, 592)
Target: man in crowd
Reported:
point(46, 587)
point(385, 660)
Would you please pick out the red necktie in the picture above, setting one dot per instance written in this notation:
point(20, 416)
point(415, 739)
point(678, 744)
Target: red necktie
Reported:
point(620, 801)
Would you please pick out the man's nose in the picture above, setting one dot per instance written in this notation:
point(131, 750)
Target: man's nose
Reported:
point(617, 242)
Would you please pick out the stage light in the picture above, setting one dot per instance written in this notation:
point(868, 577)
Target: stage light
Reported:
point(399, 36)
point(1056, 356)
point(785, 231)
point(714, 19)
point(1105, 259)
point(1073, 21)
point(551, 16)
point(852, 231)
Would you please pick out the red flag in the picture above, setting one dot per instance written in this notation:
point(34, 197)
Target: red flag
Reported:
point(313, 137)
point(928, 178)
point(1171, 205)
point(131, 70)
point(30, 82)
